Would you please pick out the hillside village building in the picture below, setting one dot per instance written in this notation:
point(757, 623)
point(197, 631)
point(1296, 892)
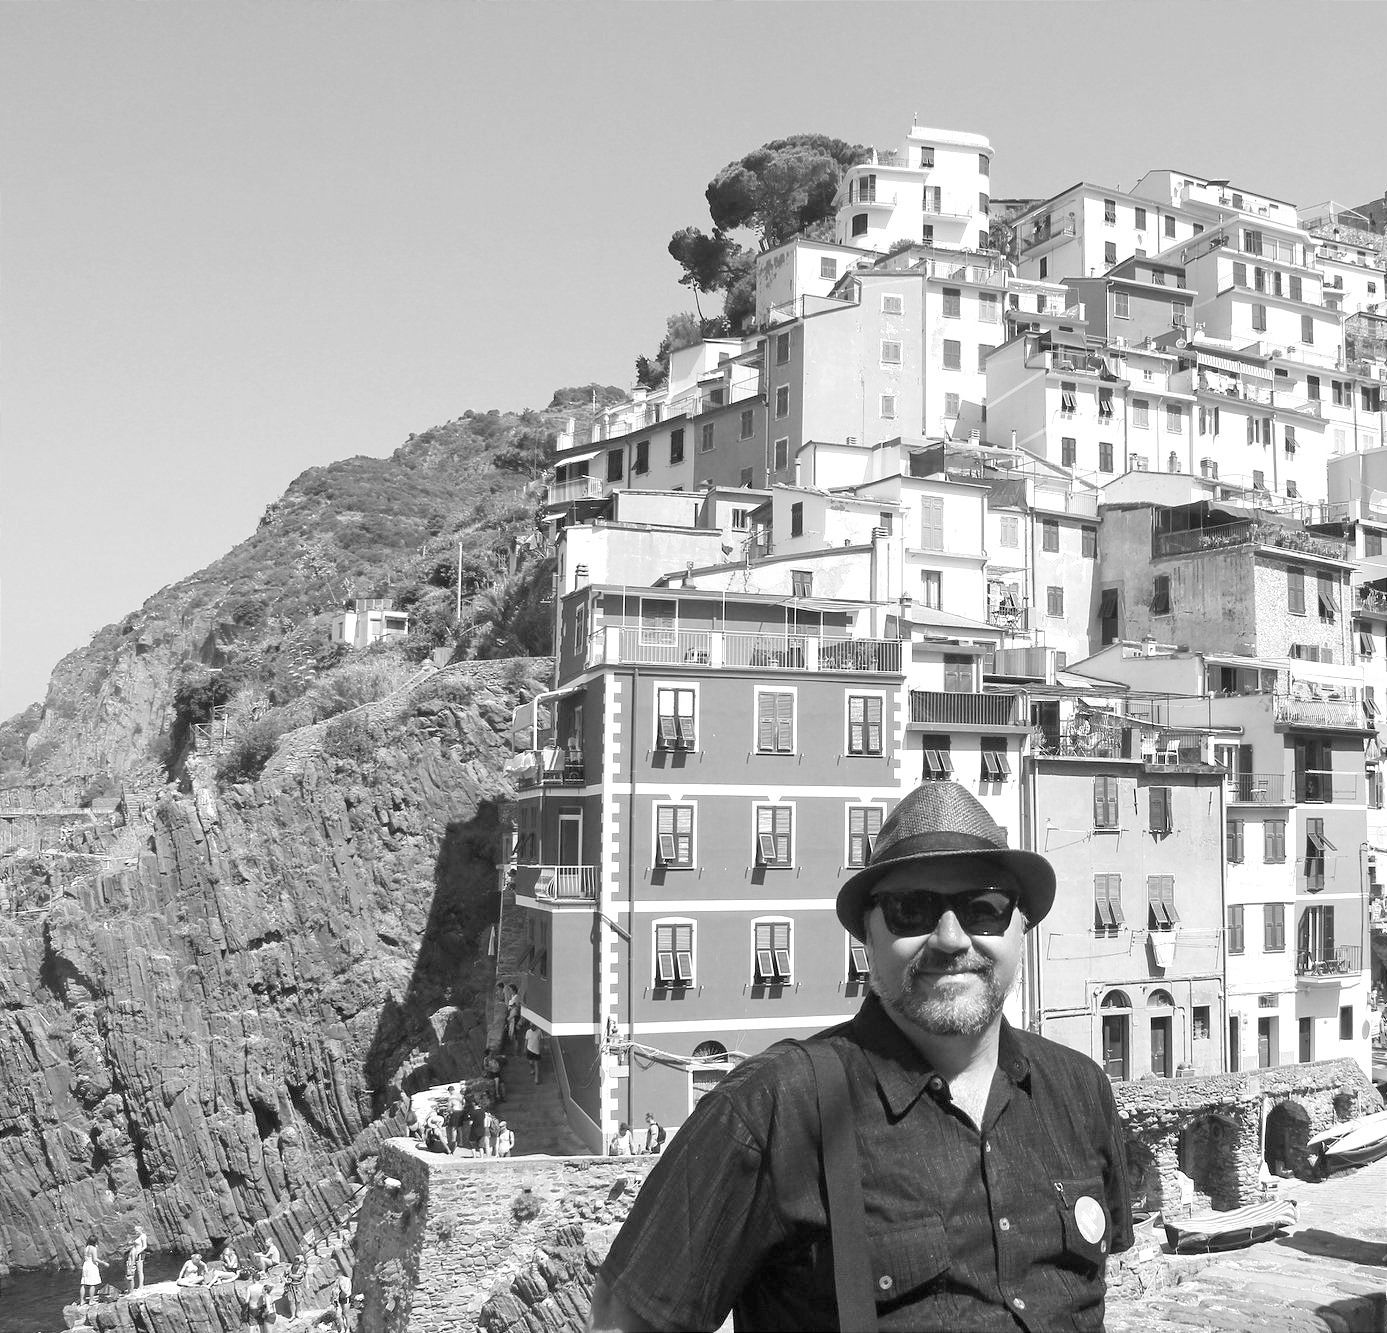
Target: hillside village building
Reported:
point(1081, 504)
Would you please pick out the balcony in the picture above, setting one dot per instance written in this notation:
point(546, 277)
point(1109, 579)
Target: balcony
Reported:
point(1042, 233)
point(952, 708)
point(1083, 738)
point(1247, 533)
point(951, 271)
point(578, 488)
point(1369, 601)
point(558, 883)
point(872, 199)
point(946, 208)
point(1324, 714)
point(551, 766)
point(1256, 789)
point(1330, 962)
point(1317, 786)
point(617, 645)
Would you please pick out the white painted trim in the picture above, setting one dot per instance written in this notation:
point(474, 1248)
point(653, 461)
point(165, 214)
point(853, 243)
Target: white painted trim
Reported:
point(694, 790)
point(788, 1023)
point(772, 804)
point(702, 906)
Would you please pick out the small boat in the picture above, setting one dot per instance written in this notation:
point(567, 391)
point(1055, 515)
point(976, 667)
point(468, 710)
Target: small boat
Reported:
point(1365, 1142)
point(1348, 1127)
point(1208, 1231)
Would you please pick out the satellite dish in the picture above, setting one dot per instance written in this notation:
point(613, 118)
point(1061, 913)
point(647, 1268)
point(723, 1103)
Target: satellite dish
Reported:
point(1181, 342)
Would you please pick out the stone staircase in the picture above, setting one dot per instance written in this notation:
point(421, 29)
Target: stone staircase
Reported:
point(535, 1112)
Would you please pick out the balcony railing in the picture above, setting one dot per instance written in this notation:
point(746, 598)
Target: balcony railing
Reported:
point(954, 708)
point(1243, 534)
point(630, 644)
point(1370, 600)
point(1333, 714)
point(1040, 234)
point(577, 488)
point(1088, 741)
point(1256, 788)
point(558, 883)
point(549, 767)
point(1334, 961)
point(1322, 787)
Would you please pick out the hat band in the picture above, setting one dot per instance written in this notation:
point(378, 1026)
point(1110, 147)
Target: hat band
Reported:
point(934, 844)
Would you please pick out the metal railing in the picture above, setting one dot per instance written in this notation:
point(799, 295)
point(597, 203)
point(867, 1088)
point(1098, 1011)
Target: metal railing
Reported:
point(1335, 960)
point(630, 644)
point(1322, 787)
point(1370, 599)
point(1338, 714)
point(1026, 663)
point(1088, 742)
point(1245, 533)
point(1041, 234)
point(1256, 788)
point(576, 488)
point(954, 708)
point(559, 883)
point(551, 767)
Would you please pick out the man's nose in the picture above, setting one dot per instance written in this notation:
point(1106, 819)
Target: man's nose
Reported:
point(948, 936)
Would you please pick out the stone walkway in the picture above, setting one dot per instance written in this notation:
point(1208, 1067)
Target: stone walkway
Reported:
point(1328, 1274)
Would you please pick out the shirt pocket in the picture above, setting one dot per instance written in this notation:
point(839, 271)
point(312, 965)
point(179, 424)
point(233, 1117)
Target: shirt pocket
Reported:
point(1084, 1221)
point(906, 1259)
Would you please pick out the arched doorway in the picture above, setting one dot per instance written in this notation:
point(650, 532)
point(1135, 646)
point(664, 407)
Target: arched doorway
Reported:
point(1143, 1180)
point(1208, 1153)
point(1285, 1141)
point(1116, 1034)
point(711, 1064)
point(1161, 1020)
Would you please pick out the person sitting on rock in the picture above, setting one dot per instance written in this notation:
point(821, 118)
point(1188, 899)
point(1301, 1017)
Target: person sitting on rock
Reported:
point(231, 1263)
point(194, 1271)
point(268, 1258)
point(435, 1136)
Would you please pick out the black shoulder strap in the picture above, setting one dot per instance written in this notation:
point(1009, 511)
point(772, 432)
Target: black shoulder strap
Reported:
point(847, 1219)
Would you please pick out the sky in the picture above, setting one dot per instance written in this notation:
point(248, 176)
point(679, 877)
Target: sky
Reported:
point(239, 241)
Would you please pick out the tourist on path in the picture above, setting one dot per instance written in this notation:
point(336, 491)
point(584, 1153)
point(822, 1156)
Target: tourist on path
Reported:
point(258, 1304)
point(455, 1118)
point(623, 1145)
point(654, 1134)
point(293, 1284)
point(976, 1170)
point(505, 1140)
point(533, 1048)
point(512, 1015)
point(91, 1270)
point(134, 1268)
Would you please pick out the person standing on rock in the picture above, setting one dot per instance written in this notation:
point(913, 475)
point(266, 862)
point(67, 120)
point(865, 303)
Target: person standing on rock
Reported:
point(293, 1284)
point(512, 1015)
point(654, 1134)
point(533, 1047)
point(259, 1307)
point(505, 1140)
point(135, 1268)
point(91, 1271)
point(924, 1165)
point(456, 1117)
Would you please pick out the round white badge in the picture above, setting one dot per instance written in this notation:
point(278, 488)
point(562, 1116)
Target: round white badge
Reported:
point(1088, 1213)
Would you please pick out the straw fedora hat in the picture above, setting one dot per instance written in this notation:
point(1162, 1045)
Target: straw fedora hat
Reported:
point(941, 819)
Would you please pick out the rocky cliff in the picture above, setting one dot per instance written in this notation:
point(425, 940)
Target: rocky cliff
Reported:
point(197, 1010)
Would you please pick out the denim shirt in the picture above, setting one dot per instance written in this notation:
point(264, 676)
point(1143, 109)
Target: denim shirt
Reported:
point(1005, 1227)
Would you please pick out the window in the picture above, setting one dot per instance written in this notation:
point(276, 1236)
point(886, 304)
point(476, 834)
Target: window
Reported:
point(1174, 420)
point(1069, 450)
point(797, 519)
point(1069, 396)
point(890, 352)
point(1088, 542)
point(938, 762)
point(782, 401)
point(892, 305)
point(673, 954)
point(1105, 463)
point(676, 446)
point(614, 464)
point(775, 722)
point(1158, 807)
point(1259, 480)
point(983, 350)
point(927, 233)
point(1141, 407)
point(782, 348)
point(1236, 940)
point(1054, 601)
point(1259, 318)
point(996, 767)
point(888, 405)
point(1307, 329)
point(782, 453)
point(984, 164)
point(773, 846)
point(1372, 543)
point(1169, 225)
point(864, 723)
point(1105, 801)
point(745, 475)
point(1316, 844)
point(1160, 899)
point(958, 673)
point(859, 970)
point(1110, 253)
point(1110, 212)
point(801, 583)
point(953, 354)
point(741, 519)
point(1340, 392)
point(1044, 270)
point(1327, 597)
point(1139, 219)
point(983, 201)
point(1274, 928)
point(1274, 841)
point(1345, 1022)
point(1160, 595)
point(931, 588)
point(674, 826)
point(989, 308)
point(1121, 305)
point(772, 946)
point(642, 463)
point(932, 522)
point(953, 303)
point(1011, 531)
point(1107, 904)
point(745, 424)
point(828, 268)
point(705, 438)
point(1234, 841)
point(1049, 534)
point(1107, 616)
point(864, 823)
point(1295, 591)
point(951, 404)
point(674, 718)
point(859, 224)
point(886, 521)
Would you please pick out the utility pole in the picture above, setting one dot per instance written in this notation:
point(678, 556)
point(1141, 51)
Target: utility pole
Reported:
point(457, 587)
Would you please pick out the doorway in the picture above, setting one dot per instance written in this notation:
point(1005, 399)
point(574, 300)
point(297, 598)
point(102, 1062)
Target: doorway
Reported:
point(1306, 1041)
point(1116, 1034)
point(1266, 1043)
point(1160, 1046)
point(1235, 1046)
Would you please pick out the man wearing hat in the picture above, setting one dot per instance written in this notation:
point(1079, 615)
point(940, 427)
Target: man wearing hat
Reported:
point(989, 1183)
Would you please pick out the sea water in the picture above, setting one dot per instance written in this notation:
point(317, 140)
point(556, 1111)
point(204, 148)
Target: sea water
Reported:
point(32, 1301)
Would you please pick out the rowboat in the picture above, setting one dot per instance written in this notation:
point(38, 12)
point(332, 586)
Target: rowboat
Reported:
point(1364, 1142)
point(1348, 1127)
point(1232, 1230)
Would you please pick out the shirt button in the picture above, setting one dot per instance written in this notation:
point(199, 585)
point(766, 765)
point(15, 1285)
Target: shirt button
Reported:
point(1018, 1302)
point(987, 1147)
point(1004, 1224)
point(885, 1282)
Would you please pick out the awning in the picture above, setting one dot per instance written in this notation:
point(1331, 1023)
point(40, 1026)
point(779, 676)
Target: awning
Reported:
point(577, 458)
point(1064, 338)
point(1232, 367)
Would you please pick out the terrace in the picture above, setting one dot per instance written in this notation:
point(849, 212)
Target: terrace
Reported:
point(558, 883)
point(1247, 532)
point(634, 645)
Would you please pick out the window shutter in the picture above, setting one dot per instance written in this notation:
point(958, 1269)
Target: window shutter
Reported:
point(782, 834)
point(785, 722)
point(857, 726)
point(765, 721)
point(874, 744)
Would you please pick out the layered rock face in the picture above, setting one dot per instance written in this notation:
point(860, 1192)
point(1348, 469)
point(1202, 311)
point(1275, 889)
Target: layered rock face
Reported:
point(188, 1031)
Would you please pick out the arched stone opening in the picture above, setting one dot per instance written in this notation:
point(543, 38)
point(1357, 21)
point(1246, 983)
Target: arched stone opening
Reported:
point(1285, 1141)
point(1208, 1155)
point(1143, 1180)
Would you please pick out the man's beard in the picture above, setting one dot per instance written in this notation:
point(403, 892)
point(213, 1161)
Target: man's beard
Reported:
point(951, 1014)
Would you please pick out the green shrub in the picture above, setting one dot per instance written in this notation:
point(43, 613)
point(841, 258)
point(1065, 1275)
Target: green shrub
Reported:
point(365, 679)
point(350, 738)
point(249, 753)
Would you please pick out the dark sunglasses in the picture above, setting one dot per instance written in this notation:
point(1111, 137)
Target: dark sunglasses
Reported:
point(979, 912)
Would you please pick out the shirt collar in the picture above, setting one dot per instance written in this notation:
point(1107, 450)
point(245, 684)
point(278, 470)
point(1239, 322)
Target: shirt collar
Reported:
point(902, 1072)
